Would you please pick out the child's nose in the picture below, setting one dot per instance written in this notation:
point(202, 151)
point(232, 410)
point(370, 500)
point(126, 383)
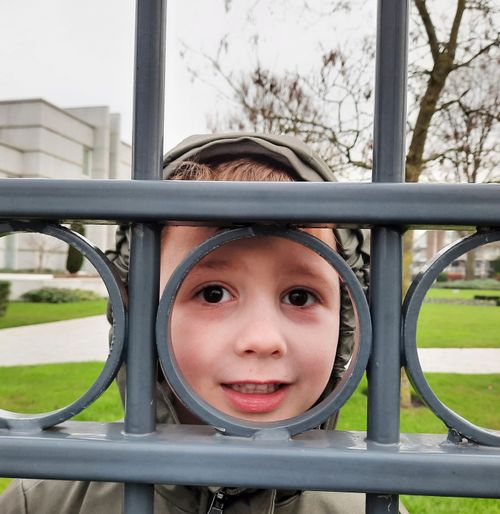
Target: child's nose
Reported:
point(261, 336)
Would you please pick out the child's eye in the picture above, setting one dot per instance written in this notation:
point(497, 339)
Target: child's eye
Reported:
point(214, 294)
point(300, 298)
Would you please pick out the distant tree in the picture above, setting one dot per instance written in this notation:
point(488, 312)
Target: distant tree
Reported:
point(74, 261)
point(468, 132)
point(495, 267)
point(44, 247)
point(4, 296)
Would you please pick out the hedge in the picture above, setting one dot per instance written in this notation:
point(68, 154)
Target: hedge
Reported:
point(58, 295)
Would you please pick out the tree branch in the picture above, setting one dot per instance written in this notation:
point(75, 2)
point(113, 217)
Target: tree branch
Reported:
point(451, 46)
point(480, 52)
point(429, 28)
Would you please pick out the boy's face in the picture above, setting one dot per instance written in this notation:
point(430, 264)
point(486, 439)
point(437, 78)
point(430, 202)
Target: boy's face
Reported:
point(255, 324)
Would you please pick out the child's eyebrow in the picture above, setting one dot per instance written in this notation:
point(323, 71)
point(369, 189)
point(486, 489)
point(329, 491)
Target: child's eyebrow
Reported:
point(214, 264)
point(303, 270)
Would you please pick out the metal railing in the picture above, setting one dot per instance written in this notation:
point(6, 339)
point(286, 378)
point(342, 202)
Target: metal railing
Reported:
point(381, 462)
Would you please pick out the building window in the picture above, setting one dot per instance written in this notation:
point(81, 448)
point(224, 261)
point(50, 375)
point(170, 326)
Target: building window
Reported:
point(87, 162)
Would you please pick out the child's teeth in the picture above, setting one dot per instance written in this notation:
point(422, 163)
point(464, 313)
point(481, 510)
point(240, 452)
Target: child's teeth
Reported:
point(255, 388)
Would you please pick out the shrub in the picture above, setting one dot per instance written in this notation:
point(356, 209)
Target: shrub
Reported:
point(495, 268)
point(442, 277)
point(74, 261)
point(4, 296)
point(478, 283)
point(58, 295)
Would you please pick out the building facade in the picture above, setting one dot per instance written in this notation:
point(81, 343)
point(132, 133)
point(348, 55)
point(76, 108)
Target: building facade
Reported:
point(475, 264)
point(41, 140)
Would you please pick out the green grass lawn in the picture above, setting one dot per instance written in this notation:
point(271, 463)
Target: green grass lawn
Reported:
point(458, 326)
point(47, 387)
point(450, 325)
point(25, 313)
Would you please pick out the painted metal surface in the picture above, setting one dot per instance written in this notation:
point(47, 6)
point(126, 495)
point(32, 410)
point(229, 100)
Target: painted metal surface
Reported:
point(379, 204)
point(344, 461)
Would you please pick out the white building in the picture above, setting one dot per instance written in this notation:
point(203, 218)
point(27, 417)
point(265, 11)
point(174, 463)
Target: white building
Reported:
point(428, 243)
point(40, 140)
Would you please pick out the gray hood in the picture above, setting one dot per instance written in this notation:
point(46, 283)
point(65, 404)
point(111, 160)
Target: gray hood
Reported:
point(294, 154)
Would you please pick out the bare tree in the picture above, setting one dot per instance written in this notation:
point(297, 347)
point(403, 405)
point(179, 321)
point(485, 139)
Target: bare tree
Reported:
point(468, 131)
point(330, 107)
point(469, 34)
point(45, 248)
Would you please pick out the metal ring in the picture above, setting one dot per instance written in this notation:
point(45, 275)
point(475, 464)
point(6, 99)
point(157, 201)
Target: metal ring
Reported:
point(411, 309)
point(117, 297)
point(232, 425)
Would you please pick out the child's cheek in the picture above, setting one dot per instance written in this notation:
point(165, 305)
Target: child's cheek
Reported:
point(197, 339)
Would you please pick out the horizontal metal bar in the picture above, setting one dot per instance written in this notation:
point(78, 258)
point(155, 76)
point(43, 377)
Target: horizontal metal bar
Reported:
point(343, 203)
point(341, 461)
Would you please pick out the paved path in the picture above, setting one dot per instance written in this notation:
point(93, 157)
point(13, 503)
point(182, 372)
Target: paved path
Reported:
point(460, 360)
point(76, 340)
point(86, 339)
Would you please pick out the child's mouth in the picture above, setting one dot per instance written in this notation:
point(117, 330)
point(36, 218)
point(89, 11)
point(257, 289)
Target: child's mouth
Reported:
point(254, 388)
point(258, 398)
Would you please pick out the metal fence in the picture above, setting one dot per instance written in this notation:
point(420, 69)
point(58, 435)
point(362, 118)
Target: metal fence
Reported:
point(381, 462)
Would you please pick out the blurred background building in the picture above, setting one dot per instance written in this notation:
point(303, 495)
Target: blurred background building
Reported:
point(41, 140)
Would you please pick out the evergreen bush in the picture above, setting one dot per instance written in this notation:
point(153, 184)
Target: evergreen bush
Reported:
point(74, 261)
point(4, 296)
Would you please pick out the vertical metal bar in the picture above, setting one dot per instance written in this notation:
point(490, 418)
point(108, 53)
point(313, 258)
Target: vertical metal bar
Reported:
point(147, 150)
point(386, 286)
point(390, 91)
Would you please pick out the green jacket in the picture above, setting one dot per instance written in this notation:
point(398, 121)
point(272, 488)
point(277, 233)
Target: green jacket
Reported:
point(60, 497)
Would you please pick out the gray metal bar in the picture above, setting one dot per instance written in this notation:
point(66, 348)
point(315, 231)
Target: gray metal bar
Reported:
point(141, 355)
point(386, 286)
point(138, 498)
point(421, 464)
point(384, 365)
point(390, 91)
point(364, 204)
point(147, 154)
point(149, 88)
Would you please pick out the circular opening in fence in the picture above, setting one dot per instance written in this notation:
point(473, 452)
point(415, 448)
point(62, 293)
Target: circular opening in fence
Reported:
point(55, 357)
point(452, 317)
point(254, 338)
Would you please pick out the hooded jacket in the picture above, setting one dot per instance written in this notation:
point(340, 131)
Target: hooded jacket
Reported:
point(64, 497)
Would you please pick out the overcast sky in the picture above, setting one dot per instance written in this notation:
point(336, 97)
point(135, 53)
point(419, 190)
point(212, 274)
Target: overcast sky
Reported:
point(80, 52)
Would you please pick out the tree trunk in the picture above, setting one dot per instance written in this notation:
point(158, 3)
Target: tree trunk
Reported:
point(470, 265)
point(444, 58)
point(428, 105)
point(405, 394)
